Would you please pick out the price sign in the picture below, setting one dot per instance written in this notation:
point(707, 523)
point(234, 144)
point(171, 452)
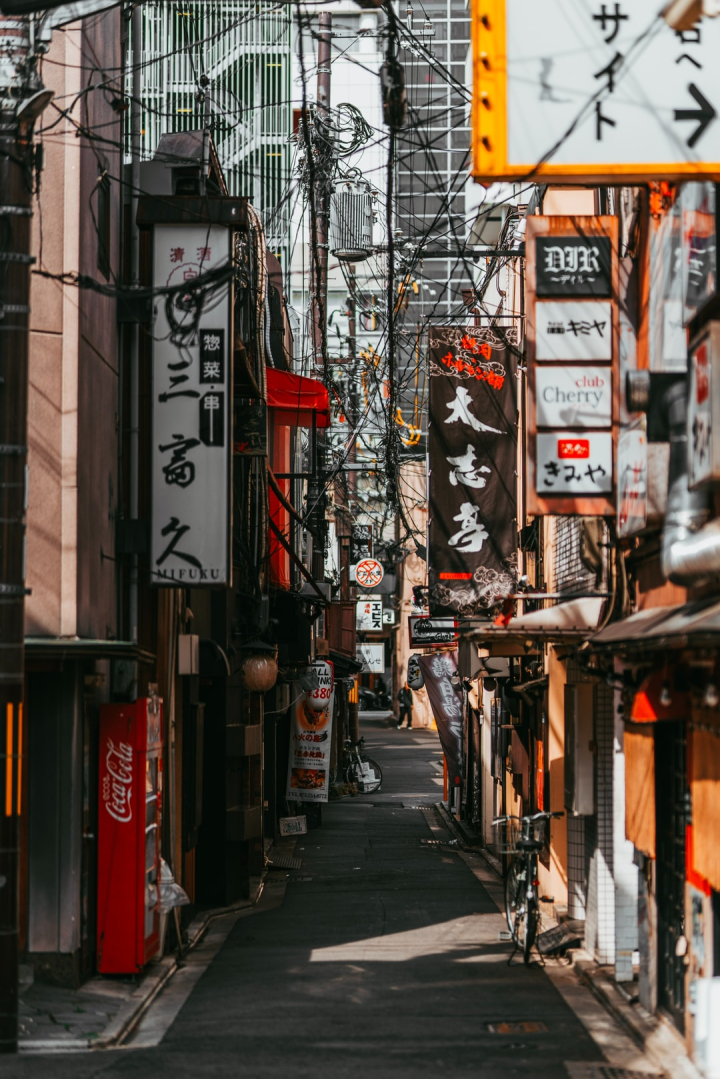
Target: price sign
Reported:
point(319, 697)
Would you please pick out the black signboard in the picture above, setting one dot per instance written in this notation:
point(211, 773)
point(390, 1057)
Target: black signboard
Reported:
point(472, 445)
point(212, 356)
point(573, 266)
point(212, 419)
point(425, 631)
point(361, 543)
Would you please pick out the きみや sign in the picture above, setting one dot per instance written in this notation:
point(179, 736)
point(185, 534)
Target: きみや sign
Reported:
point(571, 464)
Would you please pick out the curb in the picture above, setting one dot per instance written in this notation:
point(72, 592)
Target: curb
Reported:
point(465, 842)
point(132, 1011)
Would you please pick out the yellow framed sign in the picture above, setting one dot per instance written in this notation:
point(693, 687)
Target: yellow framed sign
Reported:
point(586, 91)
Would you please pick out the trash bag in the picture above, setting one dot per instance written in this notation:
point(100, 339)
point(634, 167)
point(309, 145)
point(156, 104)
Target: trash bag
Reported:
point(171, 894)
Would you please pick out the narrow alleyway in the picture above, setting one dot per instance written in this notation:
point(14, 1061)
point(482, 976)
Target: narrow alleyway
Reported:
point(383, 958)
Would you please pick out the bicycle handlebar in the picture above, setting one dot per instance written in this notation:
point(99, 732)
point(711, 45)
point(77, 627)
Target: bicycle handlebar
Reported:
point(535, 816)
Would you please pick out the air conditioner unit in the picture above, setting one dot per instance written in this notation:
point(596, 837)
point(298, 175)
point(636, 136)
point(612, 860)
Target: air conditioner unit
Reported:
point(351, 221)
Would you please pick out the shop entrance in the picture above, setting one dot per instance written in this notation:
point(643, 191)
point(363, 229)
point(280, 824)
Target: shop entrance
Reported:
point(673, 801)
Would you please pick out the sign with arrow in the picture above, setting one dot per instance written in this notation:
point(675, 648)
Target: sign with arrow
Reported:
point(593, 92)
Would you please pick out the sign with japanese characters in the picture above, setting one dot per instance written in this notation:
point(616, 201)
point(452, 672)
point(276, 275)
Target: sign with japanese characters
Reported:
point(472, 442)
point(369, 615)
point(191, 400)
point(632, 468)
point(573, 266)
point(310, 750)
point(570, 463)
point(573, 396)
point(704, 408)
point(425, 631)
point(372, 657)
point(446, 701)
point(368, 573)
point(573, 330)
point(361, 543)
point(572, 364)
point(593, 92)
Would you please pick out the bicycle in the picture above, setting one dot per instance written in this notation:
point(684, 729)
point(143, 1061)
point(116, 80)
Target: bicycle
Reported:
point(359, 768)
point(521, 882)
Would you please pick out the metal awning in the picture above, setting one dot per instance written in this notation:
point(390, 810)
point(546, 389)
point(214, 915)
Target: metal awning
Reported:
point(85, 648)
point(696, 624)
point(572, 621)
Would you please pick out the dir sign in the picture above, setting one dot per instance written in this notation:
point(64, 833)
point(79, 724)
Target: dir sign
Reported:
point(593, 92)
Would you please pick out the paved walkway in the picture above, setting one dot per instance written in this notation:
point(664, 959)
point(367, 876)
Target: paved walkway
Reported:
point(382, 958)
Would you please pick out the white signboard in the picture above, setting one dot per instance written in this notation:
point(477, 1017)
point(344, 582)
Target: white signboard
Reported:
point(369, 615)
point(191, 390)
point(574, 464)
point(573, 396)
point(632, 463)
point(600, 90)
point(372, 657)
point(368, 573)
point(704, 409)
point(310, 750)
point(573, 330)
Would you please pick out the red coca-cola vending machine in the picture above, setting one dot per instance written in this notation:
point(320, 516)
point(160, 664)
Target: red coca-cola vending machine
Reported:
point(128, 835)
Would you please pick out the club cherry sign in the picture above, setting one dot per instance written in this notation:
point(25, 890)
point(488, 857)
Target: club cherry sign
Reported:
point(369, 573)
point(118, 780)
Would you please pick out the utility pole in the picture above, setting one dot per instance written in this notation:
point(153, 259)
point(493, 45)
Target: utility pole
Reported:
point(319, 230)
point(21, 100)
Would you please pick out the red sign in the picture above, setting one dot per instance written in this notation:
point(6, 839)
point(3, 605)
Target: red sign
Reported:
point(702, 374)
point(369, 573)
point(574, 448)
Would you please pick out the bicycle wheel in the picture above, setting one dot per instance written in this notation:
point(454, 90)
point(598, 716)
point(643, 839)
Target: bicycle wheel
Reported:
point(515, 896)
point(367, 774)
point(531, 927)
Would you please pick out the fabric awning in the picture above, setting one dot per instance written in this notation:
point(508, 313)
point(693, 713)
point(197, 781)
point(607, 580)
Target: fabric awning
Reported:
point(663, 627)
point(294, 399)
point(573, 620)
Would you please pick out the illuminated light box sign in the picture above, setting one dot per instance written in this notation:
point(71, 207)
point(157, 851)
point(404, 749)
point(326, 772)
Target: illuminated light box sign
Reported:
point(574, 464)
point(573, 330)
point(573, 396)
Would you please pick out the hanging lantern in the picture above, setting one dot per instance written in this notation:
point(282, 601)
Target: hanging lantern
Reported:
point(318, 696)
point(259, 672)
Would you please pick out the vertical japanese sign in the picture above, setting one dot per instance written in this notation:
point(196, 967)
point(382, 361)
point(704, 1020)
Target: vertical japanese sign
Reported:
point(446, 702)
point(572, 364)
point(472, 530)
point(310, 743)
point(191, 400)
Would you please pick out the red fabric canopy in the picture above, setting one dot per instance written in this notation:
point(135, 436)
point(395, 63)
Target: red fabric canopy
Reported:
point(295, 398)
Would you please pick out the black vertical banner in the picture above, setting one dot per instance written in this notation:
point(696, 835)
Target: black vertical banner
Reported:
point(472, 530)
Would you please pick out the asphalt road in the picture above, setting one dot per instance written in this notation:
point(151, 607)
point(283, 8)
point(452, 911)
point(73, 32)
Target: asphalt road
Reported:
point(383, 959)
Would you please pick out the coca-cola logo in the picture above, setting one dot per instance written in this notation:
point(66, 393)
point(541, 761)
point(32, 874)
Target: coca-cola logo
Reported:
point(117, 781)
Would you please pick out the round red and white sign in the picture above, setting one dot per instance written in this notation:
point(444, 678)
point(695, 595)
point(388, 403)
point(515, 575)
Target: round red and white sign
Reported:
point(369, 573)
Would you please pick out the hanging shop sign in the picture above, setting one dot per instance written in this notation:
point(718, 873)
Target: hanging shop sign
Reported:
point(191, 398)
point(472, 444)
point(414, 674)
point(632, 467)
point(361, 543)
point(446, 702)
point(572, 353)
point(372, 657)
point(704, 408)
point(369, 615)
point(310, 750)
point(592, 93)
point(425, 631)
point(368, 573)
point(323, 673)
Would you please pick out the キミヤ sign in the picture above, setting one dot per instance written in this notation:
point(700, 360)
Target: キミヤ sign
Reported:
point(368, 573)
point(593, 92)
